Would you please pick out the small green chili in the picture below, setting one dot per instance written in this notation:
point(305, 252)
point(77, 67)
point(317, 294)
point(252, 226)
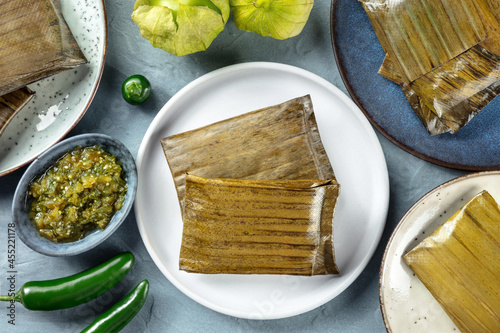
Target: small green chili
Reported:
point(136, 89)
point(73, 290)
point(120, 314)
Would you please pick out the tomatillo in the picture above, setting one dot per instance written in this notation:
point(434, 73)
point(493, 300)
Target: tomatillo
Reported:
point(136, 89)
point(181, 27)
point(279, 19)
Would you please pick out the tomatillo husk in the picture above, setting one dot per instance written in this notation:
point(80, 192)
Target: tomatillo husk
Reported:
point(181, 27)
point(279, 19)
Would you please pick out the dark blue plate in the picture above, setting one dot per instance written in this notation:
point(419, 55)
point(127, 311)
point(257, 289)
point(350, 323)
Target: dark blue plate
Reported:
point(359, 56)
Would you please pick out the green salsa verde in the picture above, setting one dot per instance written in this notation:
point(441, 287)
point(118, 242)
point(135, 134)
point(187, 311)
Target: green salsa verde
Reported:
point(80, 192)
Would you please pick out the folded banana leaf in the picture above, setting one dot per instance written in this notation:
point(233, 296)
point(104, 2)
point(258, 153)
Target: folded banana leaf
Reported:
point(456, 91)
point(234, 226)
point(459, 263)
point(419, 35)
point(450, 94)
point(390, 71)
point(276, 142)
point(35, 43)
point(11, 103)
point(427, 116)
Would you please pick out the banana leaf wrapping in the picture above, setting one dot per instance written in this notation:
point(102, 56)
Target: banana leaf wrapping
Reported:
point(11, 103)
point(263, 197)
point(444, 54)
point(459, 263)
point(419, 35)
point(276, 142)
point(456, 91)
point(390, 71)
point(35, 43)
point(239, 226)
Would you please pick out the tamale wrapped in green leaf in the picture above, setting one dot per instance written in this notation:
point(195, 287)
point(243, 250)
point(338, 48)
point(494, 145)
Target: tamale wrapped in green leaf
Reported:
point(35, 43)
point(459, 89)
point(238, 226)
point(448, 97)
point(277, 142)
point(419, 35)
point(459, 263)
point(445, 92)
point(11, 103)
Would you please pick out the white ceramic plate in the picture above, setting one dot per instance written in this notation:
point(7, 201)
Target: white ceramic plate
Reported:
point(356, 157)
point(407, 305)
point(60, 100)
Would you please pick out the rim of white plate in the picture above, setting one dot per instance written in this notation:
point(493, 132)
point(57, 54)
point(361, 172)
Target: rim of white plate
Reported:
point(245, 67)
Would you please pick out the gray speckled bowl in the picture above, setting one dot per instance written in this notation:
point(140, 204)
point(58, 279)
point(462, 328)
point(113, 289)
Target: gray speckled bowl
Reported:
point(20, 207)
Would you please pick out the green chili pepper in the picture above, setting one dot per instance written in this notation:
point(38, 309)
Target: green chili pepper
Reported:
point(73, 290)
point(136, 89)
point(120, 314)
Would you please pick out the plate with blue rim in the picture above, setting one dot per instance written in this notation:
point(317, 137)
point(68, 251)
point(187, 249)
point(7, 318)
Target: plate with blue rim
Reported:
point(359, 55)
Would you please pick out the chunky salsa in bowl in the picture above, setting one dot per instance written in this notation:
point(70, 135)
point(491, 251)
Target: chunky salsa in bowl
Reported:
point(75, 195)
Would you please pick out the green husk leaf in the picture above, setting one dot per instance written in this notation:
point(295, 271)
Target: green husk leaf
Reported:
point(459, 263)
point(188, 28)
point(279, 19)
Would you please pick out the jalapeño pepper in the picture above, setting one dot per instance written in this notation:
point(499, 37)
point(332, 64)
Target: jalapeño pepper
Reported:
point(120, 314)
point(73, 290)
point(136, 89)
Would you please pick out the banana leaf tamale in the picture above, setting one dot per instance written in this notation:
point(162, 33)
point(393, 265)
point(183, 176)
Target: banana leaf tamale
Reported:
point(235, 226)
point(261, 144)
point(449, 96)
point(459, 263)
point(35, 43)
point(419, 35)
point(444, 93)
point(456, 91)
point(11, 103)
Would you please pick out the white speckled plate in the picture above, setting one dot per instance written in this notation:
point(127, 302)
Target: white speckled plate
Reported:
point(407, 305)
point(356, 157)
point(60, 100)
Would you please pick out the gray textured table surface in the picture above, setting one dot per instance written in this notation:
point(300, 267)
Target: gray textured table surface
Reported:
point(167, 309)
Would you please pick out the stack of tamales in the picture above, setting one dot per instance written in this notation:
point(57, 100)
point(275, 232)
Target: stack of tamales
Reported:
point(257, 194)
point(445, 55)
point(459, 263)
point(35, 42)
